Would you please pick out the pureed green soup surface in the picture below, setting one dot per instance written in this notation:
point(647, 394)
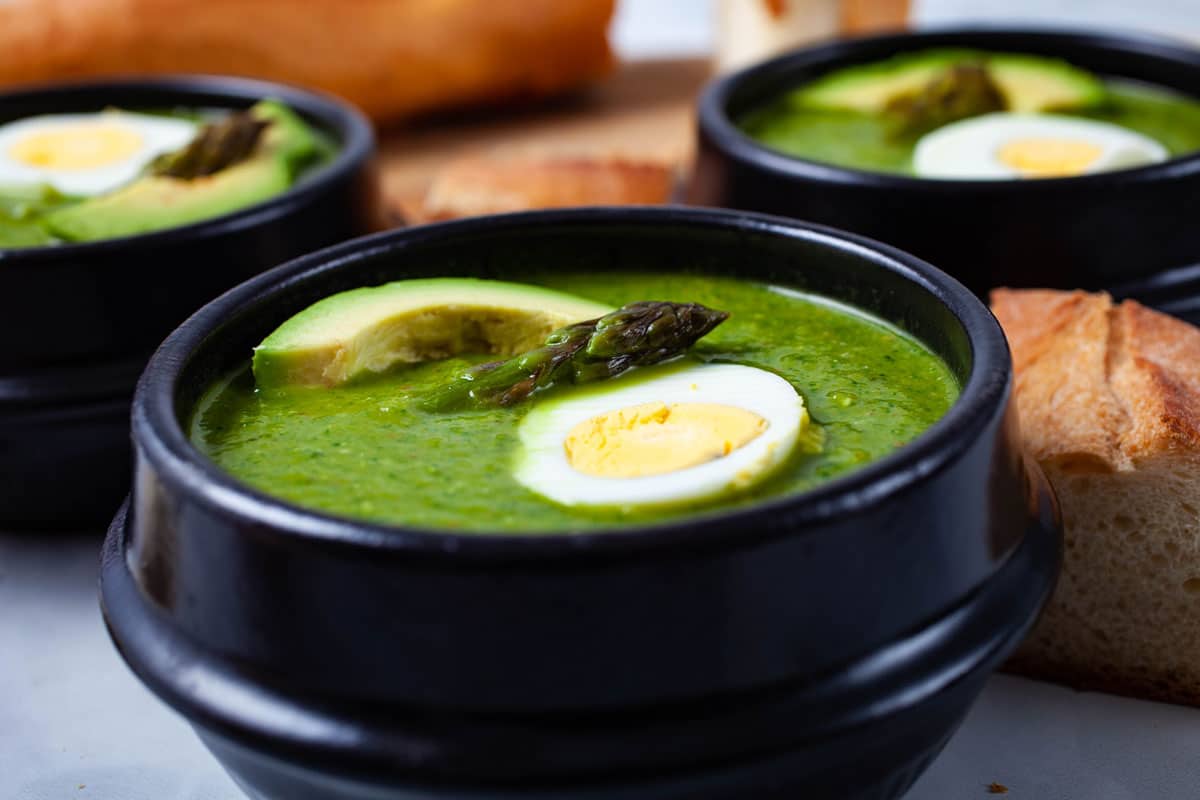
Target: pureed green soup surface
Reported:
point(368, 450)
point(869, 140)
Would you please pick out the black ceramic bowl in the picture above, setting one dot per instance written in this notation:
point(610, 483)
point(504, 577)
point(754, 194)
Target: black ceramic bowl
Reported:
point(819, 645)
point(1090, 231)
point(79, 320)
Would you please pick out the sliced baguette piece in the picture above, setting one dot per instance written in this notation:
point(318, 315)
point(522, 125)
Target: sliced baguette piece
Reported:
point(476, 185)
point(1109, 401)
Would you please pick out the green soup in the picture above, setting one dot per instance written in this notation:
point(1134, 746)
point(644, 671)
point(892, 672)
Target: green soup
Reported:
point(125, 196)
point(868, 141)
point(368, 450)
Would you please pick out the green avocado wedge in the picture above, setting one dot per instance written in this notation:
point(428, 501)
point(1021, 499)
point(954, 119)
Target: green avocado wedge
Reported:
point(368, 330)
point(157, 202)
point(22, 233)
point(1029, 83)
point(290, 137)
point(21, 209)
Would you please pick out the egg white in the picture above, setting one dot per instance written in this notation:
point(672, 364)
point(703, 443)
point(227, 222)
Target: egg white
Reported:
point(969, 149)
point(542, 464)
point(158, 135)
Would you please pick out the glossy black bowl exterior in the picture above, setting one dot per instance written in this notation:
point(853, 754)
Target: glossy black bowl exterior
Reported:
point(1175, 292)
point(75, 317)
point(64, 445)
point(1084, 232)
point(813, 636)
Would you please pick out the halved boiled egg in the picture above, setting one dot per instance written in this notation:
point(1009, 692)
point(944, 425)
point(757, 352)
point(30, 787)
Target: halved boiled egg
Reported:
point(660, 436)
point(1005, 145)
point(87, 154)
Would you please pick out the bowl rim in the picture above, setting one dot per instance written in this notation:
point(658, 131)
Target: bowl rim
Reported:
point(160, 438)
point(356, 146)
point(714, 121)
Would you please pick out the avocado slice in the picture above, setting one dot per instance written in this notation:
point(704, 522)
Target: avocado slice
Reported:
point(1029, 83)
point(22, 233)
point(21, 208)
point(155, 202)
point(290, 137)
point(368, 330)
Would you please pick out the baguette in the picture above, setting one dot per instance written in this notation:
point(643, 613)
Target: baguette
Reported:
point(393, 58)
point(1109, 402)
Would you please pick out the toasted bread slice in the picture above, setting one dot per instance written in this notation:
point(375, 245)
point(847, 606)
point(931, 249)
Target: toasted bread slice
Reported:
point(1109, 401)
point(491, 185)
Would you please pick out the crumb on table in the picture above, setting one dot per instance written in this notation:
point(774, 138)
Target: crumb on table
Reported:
point(997, 788)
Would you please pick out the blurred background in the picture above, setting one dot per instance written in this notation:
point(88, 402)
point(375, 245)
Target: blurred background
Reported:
point(653, 28)
point(505, 104)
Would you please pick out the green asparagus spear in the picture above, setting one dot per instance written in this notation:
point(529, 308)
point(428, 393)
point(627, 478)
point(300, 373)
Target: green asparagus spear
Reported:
point(218, 145)
point(635, 335)
point(964, 90)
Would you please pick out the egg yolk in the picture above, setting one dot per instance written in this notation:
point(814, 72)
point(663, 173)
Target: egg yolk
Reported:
point(76, 147)
point(1047, 157)
point(656, 438)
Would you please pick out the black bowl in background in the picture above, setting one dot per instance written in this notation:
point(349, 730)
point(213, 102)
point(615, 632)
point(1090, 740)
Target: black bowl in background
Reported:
point(79, 319)
point(820, 645)
point(1084, 232)
point(1175, 292)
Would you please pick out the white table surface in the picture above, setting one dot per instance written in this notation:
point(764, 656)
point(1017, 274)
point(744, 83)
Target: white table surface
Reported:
point(76, 724)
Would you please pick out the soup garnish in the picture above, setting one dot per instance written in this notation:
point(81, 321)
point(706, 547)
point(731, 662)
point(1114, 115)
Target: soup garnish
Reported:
point(635, 335)
point(968, 114)
point(791, 390)
point(363, 331)
point(90, 176)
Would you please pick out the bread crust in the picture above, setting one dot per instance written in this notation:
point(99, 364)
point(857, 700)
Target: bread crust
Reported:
point(490, 185)
point(1101, 383)
point(1109, 402)
point(393, 58)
